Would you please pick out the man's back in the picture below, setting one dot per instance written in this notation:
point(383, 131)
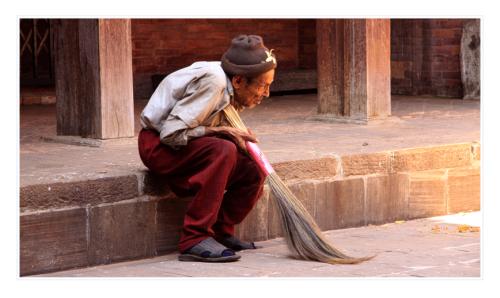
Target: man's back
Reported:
point(187, 98)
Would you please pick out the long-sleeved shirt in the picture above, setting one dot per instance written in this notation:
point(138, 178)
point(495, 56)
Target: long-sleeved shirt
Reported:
point(187, 101)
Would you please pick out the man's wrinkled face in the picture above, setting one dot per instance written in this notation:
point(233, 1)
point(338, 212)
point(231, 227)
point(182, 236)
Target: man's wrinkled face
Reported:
point(250, 92)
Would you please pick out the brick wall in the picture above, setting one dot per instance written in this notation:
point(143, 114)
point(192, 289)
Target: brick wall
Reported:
point(307, 43)
point(404, 40)
point(165, 45)
point(425, 57)
point(445, 57)
point(425, 53)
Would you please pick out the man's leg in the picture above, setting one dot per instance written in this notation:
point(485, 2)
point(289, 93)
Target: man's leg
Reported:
point(244, 189)
point(203, 167)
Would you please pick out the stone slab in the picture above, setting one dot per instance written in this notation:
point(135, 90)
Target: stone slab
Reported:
point(427, 194)
point(305, 192)
point(255, 226)
point(464, 189)
point(436, 157)
point(122, 231)
point(366, 164)
point(408, 249)
point(386, 198)
point(169, 218)
point(80, 193)
point(51, 241)
point(307, 169)
point(348, 204)
point(324, 205)
point(155, 185)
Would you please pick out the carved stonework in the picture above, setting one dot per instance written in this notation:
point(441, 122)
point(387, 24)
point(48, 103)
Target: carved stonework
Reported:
point(470, 59)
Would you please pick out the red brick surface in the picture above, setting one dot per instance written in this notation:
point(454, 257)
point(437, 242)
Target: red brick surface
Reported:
point(162, 46)
point(425, 53)
point(426, 57)
point(307, 43)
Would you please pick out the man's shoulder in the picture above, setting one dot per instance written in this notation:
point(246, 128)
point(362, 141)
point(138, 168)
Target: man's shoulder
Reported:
point(212, 70)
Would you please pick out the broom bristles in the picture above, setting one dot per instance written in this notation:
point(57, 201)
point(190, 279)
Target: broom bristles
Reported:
point(302, 234)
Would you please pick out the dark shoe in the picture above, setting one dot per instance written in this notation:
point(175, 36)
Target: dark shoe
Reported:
point(209, 250)
point(236, 244)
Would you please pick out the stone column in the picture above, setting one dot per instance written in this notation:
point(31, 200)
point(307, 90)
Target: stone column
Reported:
point(354, 69)
point(93, 71)
point(470, 58)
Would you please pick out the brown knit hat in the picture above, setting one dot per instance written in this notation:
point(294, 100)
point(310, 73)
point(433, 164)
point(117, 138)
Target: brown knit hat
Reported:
point(248, 56)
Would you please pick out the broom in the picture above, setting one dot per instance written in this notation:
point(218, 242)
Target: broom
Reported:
point(302, 234)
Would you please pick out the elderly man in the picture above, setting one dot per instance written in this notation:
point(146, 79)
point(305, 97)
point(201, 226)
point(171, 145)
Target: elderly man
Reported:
point(186, 137)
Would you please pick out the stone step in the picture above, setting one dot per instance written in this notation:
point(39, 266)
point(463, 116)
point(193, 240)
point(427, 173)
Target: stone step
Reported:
point(87, 223)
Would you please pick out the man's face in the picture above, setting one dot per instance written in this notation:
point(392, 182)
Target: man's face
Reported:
point(251, 93)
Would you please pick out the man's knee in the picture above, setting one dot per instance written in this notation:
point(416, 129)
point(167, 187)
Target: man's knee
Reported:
point(254, 172)
point(221, 148)
point(227, 148)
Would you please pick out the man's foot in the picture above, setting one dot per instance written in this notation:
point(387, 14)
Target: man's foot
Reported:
point(236, 244)
point(209, 250)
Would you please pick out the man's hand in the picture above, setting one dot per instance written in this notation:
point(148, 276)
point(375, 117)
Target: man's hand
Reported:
point(238, 136)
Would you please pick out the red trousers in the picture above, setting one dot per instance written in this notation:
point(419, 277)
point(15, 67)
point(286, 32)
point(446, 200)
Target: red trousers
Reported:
point(225, 183)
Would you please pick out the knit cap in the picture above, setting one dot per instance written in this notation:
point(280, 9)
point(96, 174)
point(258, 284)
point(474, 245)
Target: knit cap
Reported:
point(247, 56)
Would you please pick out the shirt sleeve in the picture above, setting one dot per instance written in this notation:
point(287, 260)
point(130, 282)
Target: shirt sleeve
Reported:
point(200, 100)
point(182, 135)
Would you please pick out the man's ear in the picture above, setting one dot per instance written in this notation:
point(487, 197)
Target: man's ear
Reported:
point(237, 81)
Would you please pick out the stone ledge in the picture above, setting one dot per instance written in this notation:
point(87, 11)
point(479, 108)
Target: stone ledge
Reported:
point(80, 193)
point(117, 188)
point(147, 226)
point(59, 239)
point(464, 189)
point(432, 157)
point(363, 164)
point(308, 169)
point(113, 219)
point(53, 240)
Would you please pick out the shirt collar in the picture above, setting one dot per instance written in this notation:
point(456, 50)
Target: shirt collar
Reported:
point(229, 87)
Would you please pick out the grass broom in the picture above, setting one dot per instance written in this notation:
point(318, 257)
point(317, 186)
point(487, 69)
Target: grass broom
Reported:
point(302, 234)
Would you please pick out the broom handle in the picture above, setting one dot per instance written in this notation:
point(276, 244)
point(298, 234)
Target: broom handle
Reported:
point(259, 158)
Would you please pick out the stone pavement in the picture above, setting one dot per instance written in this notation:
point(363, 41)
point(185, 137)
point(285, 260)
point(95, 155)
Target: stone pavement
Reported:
point(421, 162)
point(283, 125)
point(444, 246)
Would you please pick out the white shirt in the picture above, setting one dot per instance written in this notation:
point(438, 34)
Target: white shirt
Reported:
point(187, 101)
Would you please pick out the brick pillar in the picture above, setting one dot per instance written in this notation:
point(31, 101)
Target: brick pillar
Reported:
point(93, 71)
point(354, 69)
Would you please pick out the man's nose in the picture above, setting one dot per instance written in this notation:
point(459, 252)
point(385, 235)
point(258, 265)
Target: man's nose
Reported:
point(266, 92)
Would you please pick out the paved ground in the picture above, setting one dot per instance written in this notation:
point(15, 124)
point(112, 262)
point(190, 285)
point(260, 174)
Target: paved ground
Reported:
point(445, 246)
point(283, 125)
point(287, 132)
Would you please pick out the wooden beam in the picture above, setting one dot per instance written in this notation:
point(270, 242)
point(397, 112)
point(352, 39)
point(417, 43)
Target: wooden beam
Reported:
point(330, 51)
point(353, 69)
point(378, 68)
point(93, 68)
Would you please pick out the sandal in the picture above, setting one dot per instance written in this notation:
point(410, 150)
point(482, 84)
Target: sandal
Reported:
point(209, 250)
point(236, 244)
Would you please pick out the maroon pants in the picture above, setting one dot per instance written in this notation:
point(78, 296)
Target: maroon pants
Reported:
point(225, 183)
